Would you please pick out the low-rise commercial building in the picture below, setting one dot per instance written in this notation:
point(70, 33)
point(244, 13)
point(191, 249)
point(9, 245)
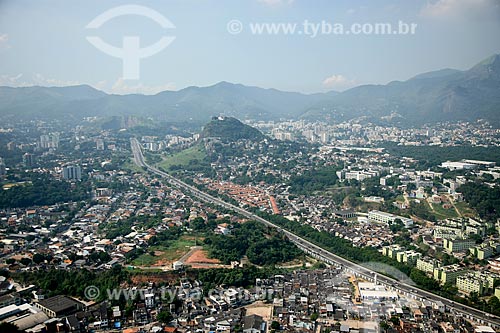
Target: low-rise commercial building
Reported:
point(383, 217)
point(59, 305)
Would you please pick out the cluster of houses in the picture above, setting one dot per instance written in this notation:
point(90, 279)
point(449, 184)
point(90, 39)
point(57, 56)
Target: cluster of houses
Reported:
point(300, 301)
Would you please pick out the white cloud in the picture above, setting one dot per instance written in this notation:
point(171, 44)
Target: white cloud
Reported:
point(101, 85)
point(20, 80)
point(11, 81)
point(453, 9)
point(274, 3)
point(337, 81)
point(40, 80)
point(121, 87)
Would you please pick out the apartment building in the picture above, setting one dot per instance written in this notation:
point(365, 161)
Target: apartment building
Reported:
point(478, 282)
point(392, 251)
point(427, 265)
point(448, 274)
point(458, 245)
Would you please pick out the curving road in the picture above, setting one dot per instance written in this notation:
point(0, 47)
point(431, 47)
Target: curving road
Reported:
point(318, 252)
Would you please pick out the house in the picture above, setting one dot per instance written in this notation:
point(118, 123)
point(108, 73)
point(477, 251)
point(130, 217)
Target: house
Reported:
point(177, 265)
point(254, 324)
point(222, 229)
point(72, 323)
point(38, 295)
point(223, 326)
point(169, 329)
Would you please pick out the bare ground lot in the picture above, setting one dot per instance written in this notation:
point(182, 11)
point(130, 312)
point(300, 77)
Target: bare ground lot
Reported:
point(261, 309)
point(199, 259)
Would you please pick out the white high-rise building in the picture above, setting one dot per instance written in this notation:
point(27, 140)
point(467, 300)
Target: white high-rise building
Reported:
point(48, 141)
point(72, 172)
point(99, 144)
point(28, 160)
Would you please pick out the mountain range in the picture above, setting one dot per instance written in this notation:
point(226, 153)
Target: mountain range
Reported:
point(444, 95)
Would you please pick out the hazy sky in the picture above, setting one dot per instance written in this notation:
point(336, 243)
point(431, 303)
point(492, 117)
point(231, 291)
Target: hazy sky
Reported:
point(44, 43)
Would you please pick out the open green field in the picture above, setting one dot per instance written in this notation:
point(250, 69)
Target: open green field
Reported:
point(166, 255)
point(442, 213)
point(130, 165)
point(465, 209)
point(183, 158)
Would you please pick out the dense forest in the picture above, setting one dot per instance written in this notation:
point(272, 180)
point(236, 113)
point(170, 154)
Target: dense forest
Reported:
point(314, 180)
point(262, 247)
point(241, 277)
point(484, 199)
point(43, 190)
point(74, 282)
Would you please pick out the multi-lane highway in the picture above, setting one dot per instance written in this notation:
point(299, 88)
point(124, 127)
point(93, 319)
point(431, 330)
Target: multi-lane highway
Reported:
point(320, 253)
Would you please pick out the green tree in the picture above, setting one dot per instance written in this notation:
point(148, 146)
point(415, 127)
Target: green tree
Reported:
point(275, 325)
point(38, 258)
point(25, 261)
point(165, 317)
point(474, 297)
point(198, 224)
point(494, 304)
point(384, 326)
point(395, 320)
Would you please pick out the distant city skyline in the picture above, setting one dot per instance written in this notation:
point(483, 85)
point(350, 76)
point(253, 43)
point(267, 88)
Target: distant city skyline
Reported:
point(45, 43)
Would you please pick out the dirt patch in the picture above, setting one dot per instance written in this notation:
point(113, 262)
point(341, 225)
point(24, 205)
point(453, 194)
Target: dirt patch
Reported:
point(199, 260)
point(201, 257)
point(260, 309)
point(193, 238)
point(162, 263)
